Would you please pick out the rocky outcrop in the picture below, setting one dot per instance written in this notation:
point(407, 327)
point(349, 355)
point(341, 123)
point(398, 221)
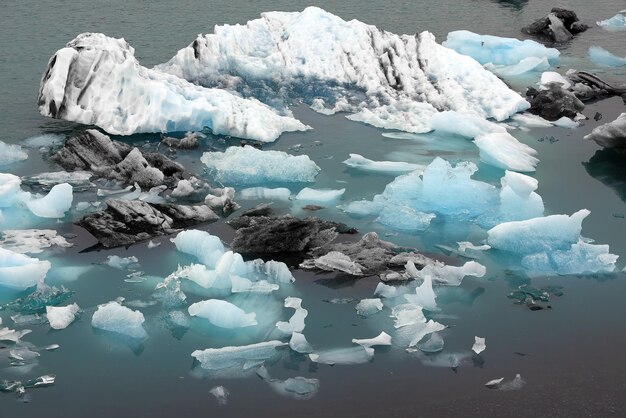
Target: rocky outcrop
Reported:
point(560, 25)
point(95, 152)
point(126, 222)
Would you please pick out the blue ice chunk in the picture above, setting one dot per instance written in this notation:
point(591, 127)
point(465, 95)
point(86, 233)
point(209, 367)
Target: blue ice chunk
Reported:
point(222, 314)
point(205, 247)
point(54, 204)
point(496, 50)
point(600, 55)
point(114, 317)
point(20, 272)
point(615, 23)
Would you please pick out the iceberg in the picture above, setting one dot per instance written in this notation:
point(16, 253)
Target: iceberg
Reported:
point(493, 49)
point(502, 150)
point(60, 317)
point(119, 319)
point(320, 195)
point(367, 307)
point(382, 339)
point(54, 204)
point(610, 135)
point(299, 344)
point(343, 356)
point(96, 80)
point(525, 66)
point(296, 322)
point(601, 56)
point(518, 199)
point(32, 241)
point(10, 153)
point(390, 81)
point(615, 23)
point(10, 191)
point(265, 193)
point(222, 314)
point(20, 272)
point(479, 345)
point(248, 166)
point(463, 124)
point(361, 163)
point(205, 247)
point(238, 359)
point(424, 296)
point(121, 263)
point(443, 274)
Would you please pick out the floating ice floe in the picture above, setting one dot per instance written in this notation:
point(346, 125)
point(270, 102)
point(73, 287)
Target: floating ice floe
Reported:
point(463, 124)
point(410, 201)
point(526, 65)
point(433, 344)
point(237, 361)
point(443, 274)
point(296, 322)
point(390, 82)
point(479, 345)
point(367, 307)
point(601, 56)
point(54, 204)
point(424, 295)
point(10, 153)
point(299, 387)
point(610, 135)
point(32, 241)
point(265, 193)
point(615, 23)
point(60, 317)
point(222, 314)
point(553, 245)
point(501, 52)
point(361, 163)
point(299, 344)
point(248, 165)
point(381, 340)
point(10, 191)
point(20, 272)
point(7, 334)
point(121, 263)
point(502, 150)
point(320, 195)
point(119, 319)
point(205, 247)
point(343, 356)
point(122, 97)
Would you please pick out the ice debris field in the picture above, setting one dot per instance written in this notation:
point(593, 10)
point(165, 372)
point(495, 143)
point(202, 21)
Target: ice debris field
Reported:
point(466, 207)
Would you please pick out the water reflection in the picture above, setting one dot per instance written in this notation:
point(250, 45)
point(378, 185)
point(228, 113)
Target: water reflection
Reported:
point(608, 167)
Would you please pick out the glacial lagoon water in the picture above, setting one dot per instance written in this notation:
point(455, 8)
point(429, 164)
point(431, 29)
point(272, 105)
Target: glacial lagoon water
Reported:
point(569, 355)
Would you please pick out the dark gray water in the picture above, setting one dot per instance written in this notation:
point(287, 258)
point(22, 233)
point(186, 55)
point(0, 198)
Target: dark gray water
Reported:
point(572, 353)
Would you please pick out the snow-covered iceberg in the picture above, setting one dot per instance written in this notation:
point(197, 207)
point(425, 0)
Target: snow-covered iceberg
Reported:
point(96, 80)
point(387, 80)
point(248, 166)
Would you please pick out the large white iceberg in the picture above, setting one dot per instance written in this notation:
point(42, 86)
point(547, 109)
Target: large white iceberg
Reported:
point(119, 319)
point(20, 272)
point(96, 80)
point(496, 50)
point(248, 165)
point(387, 80)
point(222, 314)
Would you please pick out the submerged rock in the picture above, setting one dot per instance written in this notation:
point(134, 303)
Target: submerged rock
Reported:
point(554, 103)
point(560, 25)
point(127, 222)
point(95, 152)
point(283, 234)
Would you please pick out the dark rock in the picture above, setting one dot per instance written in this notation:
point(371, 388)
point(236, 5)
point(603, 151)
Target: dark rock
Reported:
point(283, 234)
point(263, 209)
point(126, 222)
point(554, 103)
point(559, 25)
point(312, 208)
point(597, 116)
point(96, 152)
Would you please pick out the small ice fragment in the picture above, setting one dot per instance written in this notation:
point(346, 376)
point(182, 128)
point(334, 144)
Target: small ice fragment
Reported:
point(382, 339)
point(299, 387)
point(492, 384)
point(222, 314)
point(504, 151)
point(265, 193)
point(479, 345)
point(299, 344)
point(152, 244)
point(424, 295)
point(296, 322)
point(433, 344)
point(386, 291)
point(61, 317)
point(359, 162)
point(334, 260)
point(320, 195)
point(20, 272)
point(54, 204)
point(237, 357)
point(367, 307)
point(343, 356)
point(466, 246)
point(121, 263)
point(52, 347)
point(7, 334)
point(221, 394)
point(116, 318)
point(552, 77)
point(515, 384)
point(11, 153)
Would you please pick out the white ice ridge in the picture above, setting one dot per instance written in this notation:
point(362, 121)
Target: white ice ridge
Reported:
point(248, 166)
point(96, 80)
point(20, 272)
point(114, 317)
point(553, 245)
point(387, 80)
